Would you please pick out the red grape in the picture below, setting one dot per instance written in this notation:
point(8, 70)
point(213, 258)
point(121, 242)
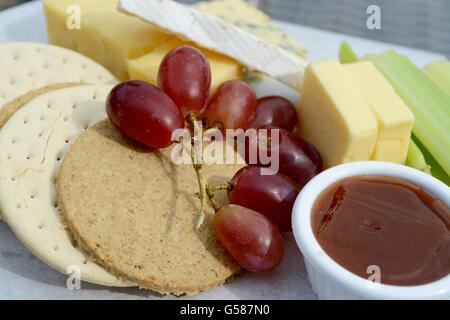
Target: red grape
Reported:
point(298, 159)
point(143, 113)
point(185, 76)
point(249, 237)
point(275, 111)
point(270, 195)
point(232, 106)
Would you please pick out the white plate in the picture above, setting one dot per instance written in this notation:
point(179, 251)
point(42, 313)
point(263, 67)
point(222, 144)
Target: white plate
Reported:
point(22, 276)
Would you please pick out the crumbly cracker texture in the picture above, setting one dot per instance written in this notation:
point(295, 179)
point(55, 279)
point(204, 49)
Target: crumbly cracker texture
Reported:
point(135, 212)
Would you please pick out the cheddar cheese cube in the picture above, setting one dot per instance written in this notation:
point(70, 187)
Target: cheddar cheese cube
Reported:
point(335, 116)
point(394, 118)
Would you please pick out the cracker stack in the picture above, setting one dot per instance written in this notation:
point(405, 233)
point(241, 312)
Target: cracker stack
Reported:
point(121, 215)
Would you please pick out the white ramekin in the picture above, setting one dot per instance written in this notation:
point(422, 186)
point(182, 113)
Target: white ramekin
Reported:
point(331, 281)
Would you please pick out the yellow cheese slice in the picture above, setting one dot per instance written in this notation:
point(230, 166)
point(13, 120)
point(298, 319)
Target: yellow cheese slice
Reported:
point(146, 67)
point(335, 116)
point(394, 117)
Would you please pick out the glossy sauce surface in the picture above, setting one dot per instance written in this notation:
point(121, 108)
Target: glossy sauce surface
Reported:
point(367, 221)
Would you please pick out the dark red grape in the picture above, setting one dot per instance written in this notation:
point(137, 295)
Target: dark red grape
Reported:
point(143, 113)
point(270, 195)
point(275, 111)
point(298, 159)
point(185, 76)
point(249, 237)
point(232, 106)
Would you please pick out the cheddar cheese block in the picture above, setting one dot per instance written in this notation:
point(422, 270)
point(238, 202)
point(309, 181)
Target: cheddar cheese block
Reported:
point(62, 17)
point(335, 116)
point(106, 35)
point(146, 67)
point(394, 118)
point(117, 40)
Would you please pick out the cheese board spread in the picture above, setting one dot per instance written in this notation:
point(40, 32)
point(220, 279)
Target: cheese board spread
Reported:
point(154, 149)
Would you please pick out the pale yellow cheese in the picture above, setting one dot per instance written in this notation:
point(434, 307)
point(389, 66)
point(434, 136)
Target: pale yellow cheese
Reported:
point(106, 35)
point(146, 67)
point(394, 117)
point(119, 37)
point(59, 12)
point(335, 116)
point(117, 40)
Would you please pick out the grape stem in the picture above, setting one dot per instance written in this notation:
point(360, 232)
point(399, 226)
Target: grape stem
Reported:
point(200, 181)
point(197, 165)
point(197, 161)
point(211, 200)
point(217, 188)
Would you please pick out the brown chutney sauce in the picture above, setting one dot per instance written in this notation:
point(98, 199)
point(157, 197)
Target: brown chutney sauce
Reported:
point(386, 222)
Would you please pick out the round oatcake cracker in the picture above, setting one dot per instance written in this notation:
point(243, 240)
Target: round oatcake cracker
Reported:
point(135, 212)
point(33, 143)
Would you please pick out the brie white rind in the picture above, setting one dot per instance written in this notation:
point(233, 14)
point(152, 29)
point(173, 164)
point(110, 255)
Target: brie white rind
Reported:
point(218, 35)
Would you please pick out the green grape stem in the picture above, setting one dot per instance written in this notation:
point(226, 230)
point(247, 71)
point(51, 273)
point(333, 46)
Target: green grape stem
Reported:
point(196, 159)
point(205, 191)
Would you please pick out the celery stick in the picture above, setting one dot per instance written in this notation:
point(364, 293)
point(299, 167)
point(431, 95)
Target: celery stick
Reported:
point(415, 158)
point(416, 81)
point(435, 93)
point(439, 72)
point(429, 104)
point(436, 169)
point(346, 53)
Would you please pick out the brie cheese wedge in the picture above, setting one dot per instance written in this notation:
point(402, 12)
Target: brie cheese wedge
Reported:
point(220, 36)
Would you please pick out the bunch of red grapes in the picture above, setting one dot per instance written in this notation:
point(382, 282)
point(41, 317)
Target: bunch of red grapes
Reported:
point(261, 205)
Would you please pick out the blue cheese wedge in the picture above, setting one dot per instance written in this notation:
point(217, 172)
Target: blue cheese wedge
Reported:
point(220, 36)
point(248, 17)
